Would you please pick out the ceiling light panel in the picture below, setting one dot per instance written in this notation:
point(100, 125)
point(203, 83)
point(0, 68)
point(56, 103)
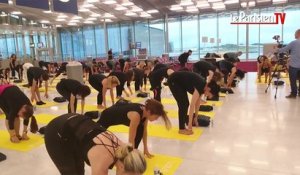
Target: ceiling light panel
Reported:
point(130, 14)
point(176, 8)
point(16, 13)
point(95, 15)
point(152, 11)
point(186, 3)
point(279, 1)
point(231, 2)
point(87, 5)
point(108, 2)
point(127, 3)
point(119, 8)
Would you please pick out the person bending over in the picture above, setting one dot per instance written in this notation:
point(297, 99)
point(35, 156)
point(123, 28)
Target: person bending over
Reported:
point(35, 77)
point(72, 140)
point(62, 69)
point(15, 104)
point(229, 70)
point(12, 65)
point(232, 56)
point(183, 58)
point(156, 77)
point(102, 83)
point(26, 66)
point(138, 79)
point(136, 117)
point(122, 77)
point(265, 67)
point(71, 90)
point(129, 79)
point(206, 70)
point(181, 83)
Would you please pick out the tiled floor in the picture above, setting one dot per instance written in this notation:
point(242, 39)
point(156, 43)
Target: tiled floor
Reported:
point(251, 134)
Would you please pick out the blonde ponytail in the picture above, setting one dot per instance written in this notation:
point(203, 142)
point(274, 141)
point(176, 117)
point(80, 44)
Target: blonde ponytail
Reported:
point(133, 159)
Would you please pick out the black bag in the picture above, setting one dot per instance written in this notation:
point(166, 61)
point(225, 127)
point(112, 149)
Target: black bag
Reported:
point(42, 130)
point(226, 90)
point(142, 95)
point(203, 120)
point(92, 114)
point(59, 99)
point(279, 83)
point(206, 108)
point(17, 81)
point(2, 157)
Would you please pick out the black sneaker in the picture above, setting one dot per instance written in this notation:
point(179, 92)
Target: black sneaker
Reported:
point(40, 103)
point(291, 96)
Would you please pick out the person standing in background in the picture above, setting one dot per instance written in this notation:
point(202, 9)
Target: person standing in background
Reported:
point(294, 64)
point(12, 65)
point(183, 58)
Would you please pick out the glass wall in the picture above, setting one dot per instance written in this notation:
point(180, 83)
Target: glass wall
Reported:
point(190, 36)
point(200, 33)
point(157, 37)
point(174, 29)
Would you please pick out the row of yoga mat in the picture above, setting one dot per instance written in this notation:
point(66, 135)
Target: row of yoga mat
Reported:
point(166, 164)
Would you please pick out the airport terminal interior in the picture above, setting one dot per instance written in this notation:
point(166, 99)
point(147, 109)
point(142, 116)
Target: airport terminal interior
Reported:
point(154, 87)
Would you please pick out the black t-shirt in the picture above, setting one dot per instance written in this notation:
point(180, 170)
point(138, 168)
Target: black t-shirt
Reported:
point(159, 66)
point(225, 65)
point(36, 73)
point(157, 76)
point(183, 57)
point(117, 114)
point(121, 77)
point(203, 67)
point(188, 81)
point(11, 101)
point(70, 85)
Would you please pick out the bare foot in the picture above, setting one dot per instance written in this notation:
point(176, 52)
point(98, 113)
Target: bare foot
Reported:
point(185, 132)
point(100, 107)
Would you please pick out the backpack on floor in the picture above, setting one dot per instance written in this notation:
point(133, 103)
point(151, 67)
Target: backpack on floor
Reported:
point(206, 108)
point(142, 95)
point(226, 90)
point(203, 120)
point(279, 83)
point(59, 99)
point(17, 81)
point(92, 114)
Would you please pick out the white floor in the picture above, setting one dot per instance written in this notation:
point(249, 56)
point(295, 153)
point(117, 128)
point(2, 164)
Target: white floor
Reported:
point(251, 134)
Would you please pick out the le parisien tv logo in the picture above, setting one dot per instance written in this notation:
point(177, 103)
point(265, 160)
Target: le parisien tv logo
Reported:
point(273, 19)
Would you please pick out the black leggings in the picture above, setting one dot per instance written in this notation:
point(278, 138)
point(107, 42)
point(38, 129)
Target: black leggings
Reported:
point(98, 87)
point(182, 100)
point(64, 153)
point(157, 93)
point(67, 95)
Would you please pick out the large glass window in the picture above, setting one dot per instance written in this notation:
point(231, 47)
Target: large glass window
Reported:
point(227, 33)
point(11, 45)
point(290, 26)
point(242, 40)
point(208, 34)
point(78, 44)
point(3, 47)
point(157, 37)
point(126, 38)
point(174, 28)
point(100, 41)
point(114, 42)
point(27, 44)
point(66, 44)
point(89, 41)
point(190, 36)
point(20, 45)
point(142, 34)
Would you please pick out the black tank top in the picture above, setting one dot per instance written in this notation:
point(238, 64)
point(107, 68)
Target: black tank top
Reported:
point(82, 130)
point(117, 114)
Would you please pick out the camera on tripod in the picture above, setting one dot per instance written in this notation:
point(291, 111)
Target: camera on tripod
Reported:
point(281, 58)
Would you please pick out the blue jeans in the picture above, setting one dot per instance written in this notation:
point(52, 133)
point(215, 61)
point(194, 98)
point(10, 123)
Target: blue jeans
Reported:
point(293, 79)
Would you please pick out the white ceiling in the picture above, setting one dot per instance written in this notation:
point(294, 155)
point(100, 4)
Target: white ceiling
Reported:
point(96, 11)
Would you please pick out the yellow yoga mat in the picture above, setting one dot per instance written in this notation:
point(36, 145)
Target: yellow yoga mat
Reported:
point(162, 132)
point(222, 94)
point(214, 103)
point(168, 101)
point(44, 118)
point(24, 146)
point(166, 164)
point(42, 89)
point(174, 114)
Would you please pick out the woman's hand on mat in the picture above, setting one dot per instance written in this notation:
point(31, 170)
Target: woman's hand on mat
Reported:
point(14, 139)
point(25, 136)
point(147, 154)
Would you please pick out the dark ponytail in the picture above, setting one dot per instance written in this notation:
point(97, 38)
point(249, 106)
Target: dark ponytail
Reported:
point(33, 125)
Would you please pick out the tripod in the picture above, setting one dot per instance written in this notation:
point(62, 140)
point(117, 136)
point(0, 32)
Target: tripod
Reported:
point(276, 73)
